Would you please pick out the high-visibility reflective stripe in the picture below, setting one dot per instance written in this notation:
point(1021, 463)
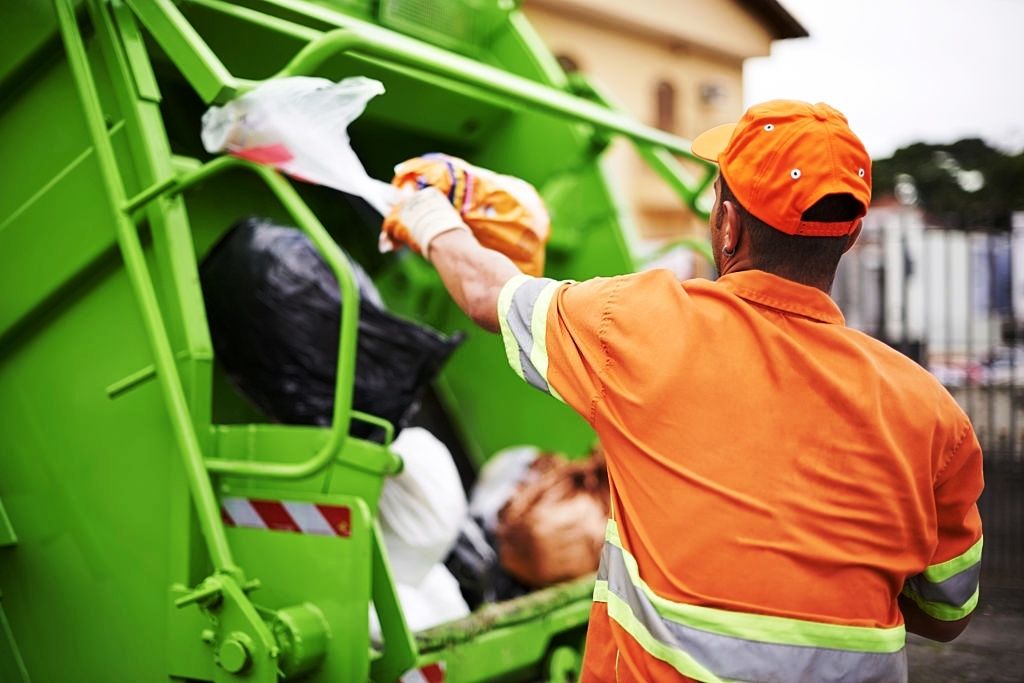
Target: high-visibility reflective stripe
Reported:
point(941, 610)
point(512, 330)
point(956, 590)
point(655, 643)
point(948, 590)
point(937, 573)
point(733, 646)
point(522, 314)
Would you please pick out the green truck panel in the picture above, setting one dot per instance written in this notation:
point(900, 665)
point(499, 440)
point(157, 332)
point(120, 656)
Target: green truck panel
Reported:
point(122, 441)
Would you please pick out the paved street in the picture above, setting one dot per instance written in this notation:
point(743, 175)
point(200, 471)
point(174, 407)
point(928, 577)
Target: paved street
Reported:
point(991, 650)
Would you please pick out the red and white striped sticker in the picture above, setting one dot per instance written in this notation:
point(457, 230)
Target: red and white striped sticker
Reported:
point(285, 515)
point(430, 673)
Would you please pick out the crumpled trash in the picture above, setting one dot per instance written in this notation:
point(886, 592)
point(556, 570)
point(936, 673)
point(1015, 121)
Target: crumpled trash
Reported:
point(552, 527)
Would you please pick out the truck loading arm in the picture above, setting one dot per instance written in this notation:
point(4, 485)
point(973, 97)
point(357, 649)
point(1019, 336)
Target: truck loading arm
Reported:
point(214, 83)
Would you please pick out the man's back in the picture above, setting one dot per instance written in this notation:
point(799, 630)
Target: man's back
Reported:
point(765, 459)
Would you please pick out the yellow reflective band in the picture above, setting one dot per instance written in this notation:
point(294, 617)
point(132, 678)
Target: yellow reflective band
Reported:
point(508, 339)
point(937, 573)
point(680, 660)
point(942, 610)
point(539, 331)
point(759, 627)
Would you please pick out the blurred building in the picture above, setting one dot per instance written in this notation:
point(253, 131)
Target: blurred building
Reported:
point(674, 65)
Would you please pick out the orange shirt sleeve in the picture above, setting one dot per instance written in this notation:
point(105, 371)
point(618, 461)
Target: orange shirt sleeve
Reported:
point(554, 334)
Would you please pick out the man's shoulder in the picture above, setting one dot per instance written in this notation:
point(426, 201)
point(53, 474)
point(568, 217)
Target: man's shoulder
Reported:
point(901, 370)
point(638, 284)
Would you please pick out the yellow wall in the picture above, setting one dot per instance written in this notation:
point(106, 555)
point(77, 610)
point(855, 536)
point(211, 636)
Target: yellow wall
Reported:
point(627, 48)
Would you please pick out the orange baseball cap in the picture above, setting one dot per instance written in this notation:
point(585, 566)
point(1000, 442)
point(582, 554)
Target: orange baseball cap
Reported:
point(783, 156)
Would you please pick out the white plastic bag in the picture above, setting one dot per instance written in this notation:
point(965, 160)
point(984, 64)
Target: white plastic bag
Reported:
point(299, 125)
point(422, 507)
point(435, 600)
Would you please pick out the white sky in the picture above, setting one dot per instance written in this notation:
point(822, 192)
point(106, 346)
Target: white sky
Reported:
point(904, 71)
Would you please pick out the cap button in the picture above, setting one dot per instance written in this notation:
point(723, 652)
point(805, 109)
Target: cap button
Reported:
point(819, 113)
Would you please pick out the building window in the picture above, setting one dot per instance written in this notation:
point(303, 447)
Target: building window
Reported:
point(713, 94)
point(568, 64)
point(665, 106)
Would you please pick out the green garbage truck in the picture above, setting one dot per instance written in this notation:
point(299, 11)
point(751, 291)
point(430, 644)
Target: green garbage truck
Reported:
point(121, 436)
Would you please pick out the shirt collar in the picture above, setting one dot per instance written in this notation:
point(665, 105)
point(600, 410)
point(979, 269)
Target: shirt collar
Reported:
point(785, 295)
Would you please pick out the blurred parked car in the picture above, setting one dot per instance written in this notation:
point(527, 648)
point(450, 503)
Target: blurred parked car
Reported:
point(1004, 366)
point(952, 375)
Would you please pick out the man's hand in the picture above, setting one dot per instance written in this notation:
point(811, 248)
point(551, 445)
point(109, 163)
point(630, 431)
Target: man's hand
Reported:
point(416, 221)
point(504, 212)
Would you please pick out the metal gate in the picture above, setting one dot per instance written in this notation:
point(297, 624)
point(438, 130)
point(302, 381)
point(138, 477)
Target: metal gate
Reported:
point(954, 302)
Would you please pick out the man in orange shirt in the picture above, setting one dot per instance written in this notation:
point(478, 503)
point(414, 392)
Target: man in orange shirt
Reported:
point(789, 497)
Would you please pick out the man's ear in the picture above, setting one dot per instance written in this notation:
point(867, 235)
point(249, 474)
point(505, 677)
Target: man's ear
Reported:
point(731, 228)
point(853, 236)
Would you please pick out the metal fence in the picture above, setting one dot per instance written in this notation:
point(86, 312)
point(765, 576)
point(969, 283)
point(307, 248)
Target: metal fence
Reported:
point(954, 302)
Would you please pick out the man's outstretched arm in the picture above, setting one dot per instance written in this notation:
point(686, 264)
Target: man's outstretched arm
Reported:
point(472, 274)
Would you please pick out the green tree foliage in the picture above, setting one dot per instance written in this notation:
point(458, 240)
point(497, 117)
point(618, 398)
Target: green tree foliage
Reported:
point(966, 185)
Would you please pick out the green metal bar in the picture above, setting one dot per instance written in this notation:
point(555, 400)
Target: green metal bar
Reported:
point(208, 512)
point(702, 247)
point(7, 535)
point(132, 205)
point(522, 610)
point(667, 166)
point(655, 146)
point(516, 89)
point(399, 647)
point(131, 381)
point(308, 223)
point(389, 429)
point(12, 666)
point(661, 160)
point(192, 55)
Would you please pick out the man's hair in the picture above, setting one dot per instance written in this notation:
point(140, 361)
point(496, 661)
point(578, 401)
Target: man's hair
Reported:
point(802, 258)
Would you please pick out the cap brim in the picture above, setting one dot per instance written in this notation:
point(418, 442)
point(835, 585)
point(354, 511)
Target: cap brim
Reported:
point(709, 144)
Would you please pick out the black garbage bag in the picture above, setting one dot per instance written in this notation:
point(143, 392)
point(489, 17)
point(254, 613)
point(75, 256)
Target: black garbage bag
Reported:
point(473, 561)
point(274, 308)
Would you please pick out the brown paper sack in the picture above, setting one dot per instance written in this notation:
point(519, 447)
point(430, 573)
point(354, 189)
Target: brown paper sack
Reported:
point(552, 527)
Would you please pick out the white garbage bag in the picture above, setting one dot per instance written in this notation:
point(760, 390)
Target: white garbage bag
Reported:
point(435, 600)
point(421, 508)
point(299, 125)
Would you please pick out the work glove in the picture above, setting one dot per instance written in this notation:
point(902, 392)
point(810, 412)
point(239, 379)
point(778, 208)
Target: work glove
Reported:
point(418, 219)
point(504, 213)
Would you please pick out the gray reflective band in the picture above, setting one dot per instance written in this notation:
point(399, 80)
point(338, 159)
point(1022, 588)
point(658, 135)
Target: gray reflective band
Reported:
point(956, 591)
point(735, 658)
point(519, 317)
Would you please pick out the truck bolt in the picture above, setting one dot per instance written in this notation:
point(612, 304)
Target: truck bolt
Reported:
point(233, 655)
